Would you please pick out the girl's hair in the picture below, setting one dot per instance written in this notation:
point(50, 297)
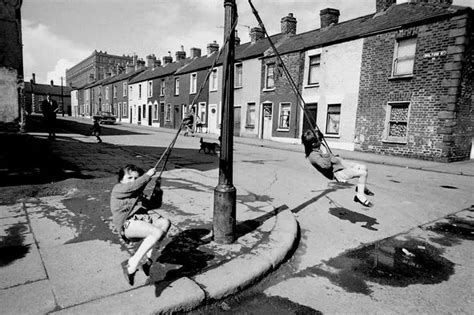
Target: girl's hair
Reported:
point(311, 139)
point(127, 169)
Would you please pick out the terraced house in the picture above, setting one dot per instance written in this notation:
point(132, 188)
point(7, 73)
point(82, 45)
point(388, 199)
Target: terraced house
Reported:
point(397, 81)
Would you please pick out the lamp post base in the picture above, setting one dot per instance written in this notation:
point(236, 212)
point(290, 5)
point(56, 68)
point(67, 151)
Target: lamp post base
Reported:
point(225, 197)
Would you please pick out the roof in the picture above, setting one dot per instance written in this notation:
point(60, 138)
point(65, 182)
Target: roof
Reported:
point(394, 17)
point(161, 71)
point(46, 88)
point(125, 76)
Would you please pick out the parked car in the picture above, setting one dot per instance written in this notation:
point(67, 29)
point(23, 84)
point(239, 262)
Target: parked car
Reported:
point(105, 118)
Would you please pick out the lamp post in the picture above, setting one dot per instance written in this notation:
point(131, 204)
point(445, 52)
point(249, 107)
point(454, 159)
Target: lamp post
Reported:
point(225, 193)
point(62, 98)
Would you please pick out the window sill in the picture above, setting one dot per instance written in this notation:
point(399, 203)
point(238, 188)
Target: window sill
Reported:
point(395, 140)
point(311, 86)
point(268, 90)
point(284, 130)
point(212, 90)
point(334, 136)
point(250, 127)
point(401, 77)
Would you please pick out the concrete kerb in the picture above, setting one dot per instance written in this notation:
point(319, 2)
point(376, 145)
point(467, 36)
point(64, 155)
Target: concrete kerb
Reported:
point(185, 293)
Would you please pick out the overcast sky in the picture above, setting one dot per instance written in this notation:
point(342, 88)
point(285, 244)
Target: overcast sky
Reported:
point(57, 34)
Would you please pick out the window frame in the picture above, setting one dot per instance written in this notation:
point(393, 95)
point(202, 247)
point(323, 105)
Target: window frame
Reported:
point(193, 83)
point(238, 73)
point(168, 112)
point(328, 113)
point(388, 121)
point(162, 88)
point(311, 68)
point(266, 79)
point(125, 89)
point(114, 88)
point(214, 79)
point(248, 117)
point(150, 88)
point(106, 93)
point(139, 91)
point(396, 57)
point(280, 116)
point(176, 86)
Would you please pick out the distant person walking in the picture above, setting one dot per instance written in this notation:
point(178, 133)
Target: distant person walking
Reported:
point(95, 129)
point(50, 107)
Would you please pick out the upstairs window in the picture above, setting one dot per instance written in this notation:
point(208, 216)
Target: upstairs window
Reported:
point(193, 83)
point(333, 119)
point(313, 70)
point(270, 76)
point(213, 83)
point(131, 91)
point(238, 75)
point(115, 91)
point(162, 88)
point(139, 91)
point(106, 92)
point(124, 89)
point(150, 88)
point(176, 86)
point(404, 58)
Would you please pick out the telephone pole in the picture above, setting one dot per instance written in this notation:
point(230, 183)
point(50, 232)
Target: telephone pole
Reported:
point(225, 193)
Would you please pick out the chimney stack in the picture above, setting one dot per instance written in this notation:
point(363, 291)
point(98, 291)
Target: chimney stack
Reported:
point(382, 5)
point(135, 58)
point(34, 78)
point(129, 68)
point(329, 16)
point(194, 52)
point(157, 63)
point(150, 61)
point(212, 47)
point(288, 25)
point(52, 83)
point(181, 55)
point(167, 59)
point(256, 33)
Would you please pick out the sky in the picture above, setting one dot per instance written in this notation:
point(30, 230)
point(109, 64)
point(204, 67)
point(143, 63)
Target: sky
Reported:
point(57, 34)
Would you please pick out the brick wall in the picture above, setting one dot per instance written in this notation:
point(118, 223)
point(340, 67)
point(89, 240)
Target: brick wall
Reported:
point(436, 128)
point(283, 91)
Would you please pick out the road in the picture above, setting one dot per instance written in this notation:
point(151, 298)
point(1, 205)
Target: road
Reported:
point(391, 258)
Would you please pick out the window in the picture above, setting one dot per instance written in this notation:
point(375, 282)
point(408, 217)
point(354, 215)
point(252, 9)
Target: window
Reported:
point(139, 91)
point(202, 113)
point(397, 122)
point(193, 83)
point(144, 111)
point(213, 84)
point(162, 88)
point(313, 71)
point(155, 111)
point(168, 112)
point(176, 86)
point(238, 75)
point(106, 92)
point(125, 109)
point(250, 119)
point(270, 76)
point(150, 88)
point(131, 91)
point(284, 119)
point(333, 119)
point(124, 89)
point(404, 58)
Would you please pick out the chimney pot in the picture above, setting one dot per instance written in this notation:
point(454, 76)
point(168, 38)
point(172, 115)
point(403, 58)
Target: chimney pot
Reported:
point(212, 47)
point(329, 16)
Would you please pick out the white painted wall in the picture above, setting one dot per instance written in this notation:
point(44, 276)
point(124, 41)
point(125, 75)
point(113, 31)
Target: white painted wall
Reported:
point(339, 84)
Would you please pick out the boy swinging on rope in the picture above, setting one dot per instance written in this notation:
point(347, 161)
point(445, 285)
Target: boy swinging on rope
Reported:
point(130, 216)
point(334, 167)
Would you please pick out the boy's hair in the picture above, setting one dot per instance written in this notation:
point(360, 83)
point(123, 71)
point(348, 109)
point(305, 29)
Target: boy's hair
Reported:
point(311, 139)
point(127, 169)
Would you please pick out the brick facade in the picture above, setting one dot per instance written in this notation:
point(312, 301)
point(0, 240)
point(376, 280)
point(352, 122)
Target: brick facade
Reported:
point(438, 120)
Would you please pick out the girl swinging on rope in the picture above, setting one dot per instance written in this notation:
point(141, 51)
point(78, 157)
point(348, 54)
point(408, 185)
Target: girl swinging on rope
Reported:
point(130, 214)
point(334, 167)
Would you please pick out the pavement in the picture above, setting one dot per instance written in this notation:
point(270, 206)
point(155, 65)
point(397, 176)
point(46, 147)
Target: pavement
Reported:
point(60, 253)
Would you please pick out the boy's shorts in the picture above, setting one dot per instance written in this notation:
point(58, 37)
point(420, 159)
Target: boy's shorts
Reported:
point(137, 217)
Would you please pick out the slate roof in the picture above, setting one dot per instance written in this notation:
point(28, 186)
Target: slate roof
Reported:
point(394, 17)
point(163, 71)
point(124, 76)
point(46, 88)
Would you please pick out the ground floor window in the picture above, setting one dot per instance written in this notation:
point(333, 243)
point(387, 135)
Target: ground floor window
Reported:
point(397, 122)
point(155, 111)
point(168, 112)
point(202, 113)
point(125, 110)
point(284, 119)
point(333, 119)
point(144, 111)
point(250, 117)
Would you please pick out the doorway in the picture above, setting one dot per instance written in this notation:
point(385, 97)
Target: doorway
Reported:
point(212, 119)
point(267, 121)
point(311, 111)
point(149, 115)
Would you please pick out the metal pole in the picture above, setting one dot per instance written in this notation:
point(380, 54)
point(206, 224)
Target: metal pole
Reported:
point(62, 99)
point(225, 193)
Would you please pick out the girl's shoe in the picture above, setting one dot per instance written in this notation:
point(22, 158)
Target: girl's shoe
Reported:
point(147, 266)
point(365, 203)
point(130, 277)
point(367, 191)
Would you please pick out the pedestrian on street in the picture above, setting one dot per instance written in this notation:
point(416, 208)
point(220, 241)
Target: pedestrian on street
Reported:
point(334, 167)
point(95, 129)
point(50, 107)
point(188, 122)
point(131, 217)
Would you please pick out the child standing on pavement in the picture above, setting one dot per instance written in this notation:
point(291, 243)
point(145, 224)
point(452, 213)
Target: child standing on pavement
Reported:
point(130, 216)
point(95, 129)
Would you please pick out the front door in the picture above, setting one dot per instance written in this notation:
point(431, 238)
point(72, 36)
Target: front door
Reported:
point(131, 114)
point(311, 111)
point(139, 115)
point(237, 111)
point(212, 119)
point(149, 115)
point(267, 121)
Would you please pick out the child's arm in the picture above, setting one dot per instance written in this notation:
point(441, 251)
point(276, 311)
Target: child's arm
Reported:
point(122, 191)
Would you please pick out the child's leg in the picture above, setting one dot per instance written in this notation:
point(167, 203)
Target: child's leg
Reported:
point(150, 233)
point(360, 171)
